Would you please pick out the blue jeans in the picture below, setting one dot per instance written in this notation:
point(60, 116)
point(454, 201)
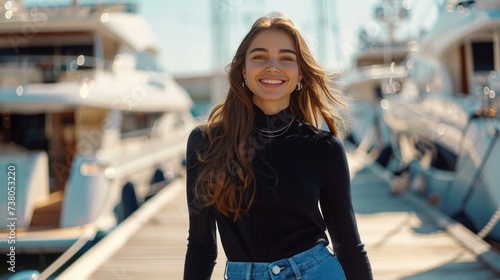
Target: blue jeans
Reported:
point(316, 263)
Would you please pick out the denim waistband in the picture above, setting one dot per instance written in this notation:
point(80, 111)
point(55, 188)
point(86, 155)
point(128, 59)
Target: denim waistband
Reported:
point(277, 269)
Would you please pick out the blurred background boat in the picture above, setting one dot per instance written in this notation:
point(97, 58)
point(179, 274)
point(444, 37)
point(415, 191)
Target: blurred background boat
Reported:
point(375, 71)
point(444, 123)
point(90, 124)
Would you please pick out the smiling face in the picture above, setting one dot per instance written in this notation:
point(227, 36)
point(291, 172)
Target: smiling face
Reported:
point(271, 70)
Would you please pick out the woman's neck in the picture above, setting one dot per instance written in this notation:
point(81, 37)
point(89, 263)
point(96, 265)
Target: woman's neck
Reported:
point(272, 108)
point(273, 122)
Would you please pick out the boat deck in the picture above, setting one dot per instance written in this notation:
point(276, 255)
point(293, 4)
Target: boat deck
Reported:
point(400, 232)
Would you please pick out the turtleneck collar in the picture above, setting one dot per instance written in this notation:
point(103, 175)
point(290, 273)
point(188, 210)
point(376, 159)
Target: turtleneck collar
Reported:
point(272, 122)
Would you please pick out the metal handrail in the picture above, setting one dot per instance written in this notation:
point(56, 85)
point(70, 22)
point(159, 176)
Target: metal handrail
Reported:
point(87, 236)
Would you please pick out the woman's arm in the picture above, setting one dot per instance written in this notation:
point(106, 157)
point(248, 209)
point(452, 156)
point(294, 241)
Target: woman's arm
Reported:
point(336, 206)
point(202, 242)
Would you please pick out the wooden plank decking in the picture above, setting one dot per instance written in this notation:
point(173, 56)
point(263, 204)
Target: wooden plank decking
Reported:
point(401, 237)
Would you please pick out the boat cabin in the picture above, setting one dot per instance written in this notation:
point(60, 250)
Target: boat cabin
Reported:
point(469, 66)
point(93, 128)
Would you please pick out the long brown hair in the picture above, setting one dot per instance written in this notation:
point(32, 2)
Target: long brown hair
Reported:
point(227, 175)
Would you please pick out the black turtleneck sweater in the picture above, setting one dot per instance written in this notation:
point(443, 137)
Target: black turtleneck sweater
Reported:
point(294, 168)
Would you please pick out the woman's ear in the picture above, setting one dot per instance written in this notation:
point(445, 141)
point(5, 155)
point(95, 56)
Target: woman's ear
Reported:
point(244, 72)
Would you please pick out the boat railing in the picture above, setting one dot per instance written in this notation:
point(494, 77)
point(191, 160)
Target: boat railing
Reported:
point(486, 92)
point(492, 92)
point(29, 69)
point(35, 12)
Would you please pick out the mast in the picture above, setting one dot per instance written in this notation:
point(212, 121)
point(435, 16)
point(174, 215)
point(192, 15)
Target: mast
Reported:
point(390, 14)
point(322, 18)
point(328, 34)
point(337, 42)
point(216, 35)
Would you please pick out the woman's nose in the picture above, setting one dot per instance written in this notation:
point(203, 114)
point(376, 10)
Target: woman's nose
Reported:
point(273, 65)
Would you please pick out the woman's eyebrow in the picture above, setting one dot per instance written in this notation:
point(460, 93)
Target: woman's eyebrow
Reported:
point(266, 50)
point(288, 51)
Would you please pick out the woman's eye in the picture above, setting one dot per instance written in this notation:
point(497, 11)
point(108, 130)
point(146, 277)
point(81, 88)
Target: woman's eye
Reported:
point(287, 58)
point(258, 57)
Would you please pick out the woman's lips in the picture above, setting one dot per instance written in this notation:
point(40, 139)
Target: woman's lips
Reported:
point(272, 82)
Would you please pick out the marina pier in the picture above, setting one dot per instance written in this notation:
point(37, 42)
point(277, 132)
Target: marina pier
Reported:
point(404, 236)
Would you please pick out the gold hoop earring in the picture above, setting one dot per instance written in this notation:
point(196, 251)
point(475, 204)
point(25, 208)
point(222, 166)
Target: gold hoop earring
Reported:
point(299, 86)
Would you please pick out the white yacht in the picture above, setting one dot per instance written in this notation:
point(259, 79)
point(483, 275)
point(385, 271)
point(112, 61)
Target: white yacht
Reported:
point(366, 83)
point(90, 128)
point(445, 124)
point(376, 71)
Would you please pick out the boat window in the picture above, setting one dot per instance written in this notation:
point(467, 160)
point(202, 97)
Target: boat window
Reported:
point(462, 77)
point(137, 124)
point(58, 57)
point(49, 50)
point(45, 57)
point(27, 131)
point(483, 56)
point(52, 133)
point(43, 64)
point(74, 51)
point(146, 62)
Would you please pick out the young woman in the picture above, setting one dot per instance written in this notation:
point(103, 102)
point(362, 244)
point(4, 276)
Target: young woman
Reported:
point(260, 165)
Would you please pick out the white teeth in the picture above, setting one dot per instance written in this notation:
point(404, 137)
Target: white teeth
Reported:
point(266, 81)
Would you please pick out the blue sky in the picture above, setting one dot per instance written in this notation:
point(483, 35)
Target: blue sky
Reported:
point(185, 32)
point(186, 35)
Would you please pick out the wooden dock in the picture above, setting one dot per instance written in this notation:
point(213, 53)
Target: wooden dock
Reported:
point(401, 234)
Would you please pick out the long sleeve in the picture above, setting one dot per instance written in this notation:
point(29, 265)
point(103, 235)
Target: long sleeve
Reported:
point(337, 209)
point(202, 241)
